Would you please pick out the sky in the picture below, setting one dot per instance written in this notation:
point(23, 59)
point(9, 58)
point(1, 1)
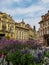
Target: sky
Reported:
point(29, 10)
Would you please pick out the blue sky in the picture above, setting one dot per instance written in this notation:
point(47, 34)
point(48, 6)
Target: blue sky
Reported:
point(29, 10)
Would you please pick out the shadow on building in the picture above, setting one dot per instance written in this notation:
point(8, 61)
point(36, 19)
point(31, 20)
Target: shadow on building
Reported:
point(46, 38)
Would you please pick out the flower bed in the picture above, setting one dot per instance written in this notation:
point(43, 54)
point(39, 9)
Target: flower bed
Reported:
point(24, 52)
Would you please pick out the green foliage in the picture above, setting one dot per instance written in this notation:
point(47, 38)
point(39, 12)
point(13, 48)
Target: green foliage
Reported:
point(11, 56)
point(15, 58)
point(27, 59)
point(47, 54)
point(0, 51)
point(21, 59)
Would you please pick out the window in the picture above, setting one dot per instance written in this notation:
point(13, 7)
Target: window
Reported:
point(48, 22)
point(10, 28)
point(21, 34)
point(3, 26)
point(47, 31)
point(44, 24)
point(17, 34)
point(11, 35)
point(0, 19)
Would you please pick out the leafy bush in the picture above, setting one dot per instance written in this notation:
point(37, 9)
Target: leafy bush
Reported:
point(20, 59)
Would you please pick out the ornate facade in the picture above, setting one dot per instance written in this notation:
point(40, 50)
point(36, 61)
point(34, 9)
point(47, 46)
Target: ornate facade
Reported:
point(7, 26)
point(44, 29)
point(24, 31)
point(12, 30)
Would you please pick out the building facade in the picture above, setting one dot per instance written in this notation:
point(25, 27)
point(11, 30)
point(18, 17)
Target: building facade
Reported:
point(44, 29)
point(7, 26)
point(9, 29)
point(24, 31)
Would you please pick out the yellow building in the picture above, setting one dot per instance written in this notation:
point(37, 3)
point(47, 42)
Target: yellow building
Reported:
point(7, 26)
point(24, 31)
point(9, 29)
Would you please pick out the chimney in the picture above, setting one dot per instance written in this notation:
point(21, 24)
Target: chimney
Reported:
point(34, 27)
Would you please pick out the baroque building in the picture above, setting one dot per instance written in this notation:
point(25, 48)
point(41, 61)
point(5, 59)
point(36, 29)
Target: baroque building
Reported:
point(9, 29)
point(24, 31)
point(7, 26)
point(44, 29)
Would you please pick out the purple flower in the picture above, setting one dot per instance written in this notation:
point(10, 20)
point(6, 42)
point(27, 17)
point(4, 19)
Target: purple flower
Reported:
point(39, 54)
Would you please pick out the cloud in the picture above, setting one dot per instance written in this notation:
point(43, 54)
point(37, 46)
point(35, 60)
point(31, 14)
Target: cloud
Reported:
point(18, 1)
point(12, 1)
point(20, 11)
point(45, 1)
